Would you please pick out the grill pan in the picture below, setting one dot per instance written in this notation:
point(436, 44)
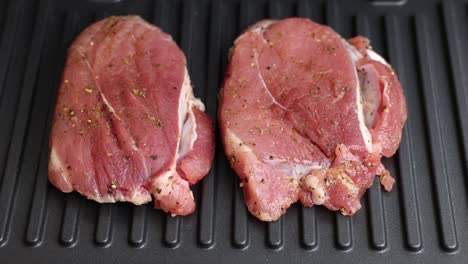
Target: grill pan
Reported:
point(423, 220)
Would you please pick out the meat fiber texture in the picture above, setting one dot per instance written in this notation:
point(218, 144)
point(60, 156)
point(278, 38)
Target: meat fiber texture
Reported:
point(126, 125)
point(306, 115)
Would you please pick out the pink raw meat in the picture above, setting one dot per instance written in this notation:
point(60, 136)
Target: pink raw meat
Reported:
point(126, 125)
point(306, 115)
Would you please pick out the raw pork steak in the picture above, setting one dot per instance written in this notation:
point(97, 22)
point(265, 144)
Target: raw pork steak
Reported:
point(126, 124)
point(307, 115)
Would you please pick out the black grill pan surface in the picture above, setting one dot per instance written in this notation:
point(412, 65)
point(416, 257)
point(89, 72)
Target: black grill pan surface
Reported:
point(423, 220)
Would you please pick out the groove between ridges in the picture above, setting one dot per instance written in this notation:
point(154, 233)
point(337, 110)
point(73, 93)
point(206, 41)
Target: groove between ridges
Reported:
point(206, 237)
point(411, 215)
point(447, 229)
point(9, 184)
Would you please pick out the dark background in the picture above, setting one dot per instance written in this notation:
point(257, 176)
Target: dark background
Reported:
point(423, 220)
